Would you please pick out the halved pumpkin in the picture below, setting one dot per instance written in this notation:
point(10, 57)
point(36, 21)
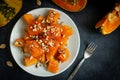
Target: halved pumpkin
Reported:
point(71, 5)
point(110, 22)
point(8, 10)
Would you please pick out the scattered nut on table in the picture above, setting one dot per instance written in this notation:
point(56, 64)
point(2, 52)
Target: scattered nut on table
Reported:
point(2, 46)
point(9, 63)
point(38, 2)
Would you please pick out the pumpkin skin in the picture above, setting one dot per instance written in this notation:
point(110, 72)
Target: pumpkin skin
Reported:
point(8, 10)
point(110, 22)
point(71, 6)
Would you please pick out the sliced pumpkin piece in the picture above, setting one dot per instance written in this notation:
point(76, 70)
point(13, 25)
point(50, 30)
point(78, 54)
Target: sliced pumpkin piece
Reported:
point(53, 66)
point(28, 61)
point(52, 52)
point(110, 22)
point(52, 17)
point(33, 48)
point(67, 31)
point(63, 54)
point(71, 5)
point(19, 42)
point(28, 18)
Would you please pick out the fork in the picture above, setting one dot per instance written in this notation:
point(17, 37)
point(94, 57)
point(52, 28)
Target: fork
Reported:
point(88, 52)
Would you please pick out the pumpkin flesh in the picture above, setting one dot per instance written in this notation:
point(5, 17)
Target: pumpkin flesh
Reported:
point(110, 22)
point(70, 5)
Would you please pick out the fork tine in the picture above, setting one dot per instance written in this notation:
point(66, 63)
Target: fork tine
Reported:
point(91, 47)
point(94, 47)
point(90, 44)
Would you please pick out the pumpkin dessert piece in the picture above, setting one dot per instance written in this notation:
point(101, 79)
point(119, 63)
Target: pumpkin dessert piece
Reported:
point(8, 10)
point(30, 61)
point(53, 66)
point(71, 5)
point(110, 22)
point(29, 19)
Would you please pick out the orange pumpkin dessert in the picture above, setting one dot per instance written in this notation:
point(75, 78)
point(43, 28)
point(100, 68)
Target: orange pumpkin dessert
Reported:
point(45, 40)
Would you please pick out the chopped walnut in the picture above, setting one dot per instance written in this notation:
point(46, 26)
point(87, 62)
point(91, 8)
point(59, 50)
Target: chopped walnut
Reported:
point(38, 65)
point(2, 46)
point(9, 63)
point(38, 2)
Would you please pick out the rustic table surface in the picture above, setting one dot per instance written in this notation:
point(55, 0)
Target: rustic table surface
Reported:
point(104, 64)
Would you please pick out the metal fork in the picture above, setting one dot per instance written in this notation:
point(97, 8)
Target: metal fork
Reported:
point(88, 52)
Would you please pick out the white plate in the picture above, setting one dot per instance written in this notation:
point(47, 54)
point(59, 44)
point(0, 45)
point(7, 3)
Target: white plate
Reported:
point(73, 44)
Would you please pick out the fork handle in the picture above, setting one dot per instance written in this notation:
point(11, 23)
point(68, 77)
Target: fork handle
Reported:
point(76, 70)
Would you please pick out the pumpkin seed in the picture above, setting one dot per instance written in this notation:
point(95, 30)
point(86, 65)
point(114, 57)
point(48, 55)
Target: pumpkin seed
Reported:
point(38, 2)
point(2, 46)
point(9, 63)
point(111, 16)
point(75, 2)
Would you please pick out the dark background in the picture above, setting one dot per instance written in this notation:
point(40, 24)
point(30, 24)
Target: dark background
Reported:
point(104, 64)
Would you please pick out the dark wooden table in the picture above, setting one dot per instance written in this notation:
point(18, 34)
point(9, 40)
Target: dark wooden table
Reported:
point(104, 64)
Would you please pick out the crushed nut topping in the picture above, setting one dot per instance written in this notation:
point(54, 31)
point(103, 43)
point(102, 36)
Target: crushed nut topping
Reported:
point(51, 43)
point(33, 37)
point(64, 55)
point(38, 64)
point(62, 50)
point(31, 57)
